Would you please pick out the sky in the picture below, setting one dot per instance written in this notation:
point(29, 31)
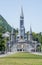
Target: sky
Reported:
point(32, 9)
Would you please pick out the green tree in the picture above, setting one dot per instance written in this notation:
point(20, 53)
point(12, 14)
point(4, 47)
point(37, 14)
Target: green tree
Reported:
point(2, 43)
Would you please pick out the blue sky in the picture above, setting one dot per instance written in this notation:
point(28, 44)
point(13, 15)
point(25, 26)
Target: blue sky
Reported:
point(11, 10)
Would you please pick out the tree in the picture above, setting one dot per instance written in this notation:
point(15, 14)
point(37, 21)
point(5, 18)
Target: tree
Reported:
point(2, 29)
point(2, 43)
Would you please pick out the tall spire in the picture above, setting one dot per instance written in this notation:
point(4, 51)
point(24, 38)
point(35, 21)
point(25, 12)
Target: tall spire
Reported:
point(22, 29)
point(22, 15)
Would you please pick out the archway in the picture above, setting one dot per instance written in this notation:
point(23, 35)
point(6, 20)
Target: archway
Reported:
point(38, 48)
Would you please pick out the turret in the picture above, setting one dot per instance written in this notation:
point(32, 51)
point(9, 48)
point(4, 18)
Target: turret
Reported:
point(12, 35)
point(30, 34)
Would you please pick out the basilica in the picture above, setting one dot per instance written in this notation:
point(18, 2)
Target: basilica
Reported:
point(23, 42)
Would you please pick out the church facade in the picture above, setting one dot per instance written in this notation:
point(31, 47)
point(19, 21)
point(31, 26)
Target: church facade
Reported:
point(23, 42)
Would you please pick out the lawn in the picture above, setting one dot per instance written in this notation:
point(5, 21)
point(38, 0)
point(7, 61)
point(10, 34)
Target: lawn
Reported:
point(21, 59)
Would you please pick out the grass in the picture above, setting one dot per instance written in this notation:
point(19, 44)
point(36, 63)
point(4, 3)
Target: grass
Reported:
point(21, 59)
